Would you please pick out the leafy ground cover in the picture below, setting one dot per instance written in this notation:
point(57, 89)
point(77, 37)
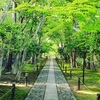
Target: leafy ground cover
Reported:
point(90, 89)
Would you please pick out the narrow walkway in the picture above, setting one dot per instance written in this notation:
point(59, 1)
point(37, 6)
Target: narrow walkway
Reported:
point(51, 91)
point(50, 84)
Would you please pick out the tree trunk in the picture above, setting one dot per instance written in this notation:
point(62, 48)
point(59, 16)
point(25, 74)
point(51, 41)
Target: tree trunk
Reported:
point(84, 65)
point(39, 53)
point(16, 64)
point(9, 63)
point(88, 63)
point(5, 10)
point(74, 59)
point(92, 66)
point(14, 15)
point(1, 58)
point(71, 62)
point(18, 76)
point(84, 59)
point(35, 60)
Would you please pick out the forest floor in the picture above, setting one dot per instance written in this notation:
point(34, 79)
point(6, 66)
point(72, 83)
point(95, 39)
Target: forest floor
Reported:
point(91, 86)
point(21, 89)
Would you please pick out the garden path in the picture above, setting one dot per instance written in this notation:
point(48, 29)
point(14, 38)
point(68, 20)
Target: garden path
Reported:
point(50, 84)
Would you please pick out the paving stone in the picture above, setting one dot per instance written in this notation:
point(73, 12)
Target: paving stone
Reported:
point(37, 92)
point(63, 89)
point(50, 84)
point(51, 91)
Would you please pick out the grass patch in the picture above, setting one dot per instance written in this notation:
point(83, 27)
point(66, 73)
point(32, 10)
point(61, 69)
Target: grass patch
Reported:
point(89, 90)
point(28, 68)
point(22, 91)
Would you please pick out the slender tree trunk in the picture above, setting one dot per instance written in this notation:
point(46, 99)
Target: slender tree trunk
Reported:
point(16, 64)
point(9, 63)
point(92, 66)
point(39, 38)
point(22, 65)
point(1, 58)
point(14, 15)
point(84, 59)
point(5, 10)
point(84, 65)
point(71, 61)
point(88, 64)
point(35, 60)
point(74, 59)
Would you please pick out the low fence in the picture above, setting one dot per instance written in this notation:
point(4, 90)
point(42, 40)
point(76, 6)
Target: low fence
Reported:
point(80, 82)
point(13, 88)
point(78, 78)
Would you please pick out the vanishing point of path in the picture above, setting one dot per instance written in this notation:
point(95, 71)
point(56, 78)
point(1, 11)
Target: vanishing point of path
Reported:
point(50, 84)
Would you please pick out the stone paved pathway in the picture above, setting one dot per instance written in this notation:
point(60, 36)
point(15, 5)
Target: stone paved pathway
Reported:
point(51, 91)
point(50, 84)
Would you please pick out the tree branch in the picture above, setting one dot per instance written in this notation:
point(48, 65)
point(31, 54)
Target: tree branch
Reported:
point(5, 12)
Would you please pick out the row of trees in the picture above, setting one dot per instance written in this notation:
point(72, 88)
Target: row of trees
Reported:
point(75, 28)
point(26, 27)
point(21, 39)
point(81, 34)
